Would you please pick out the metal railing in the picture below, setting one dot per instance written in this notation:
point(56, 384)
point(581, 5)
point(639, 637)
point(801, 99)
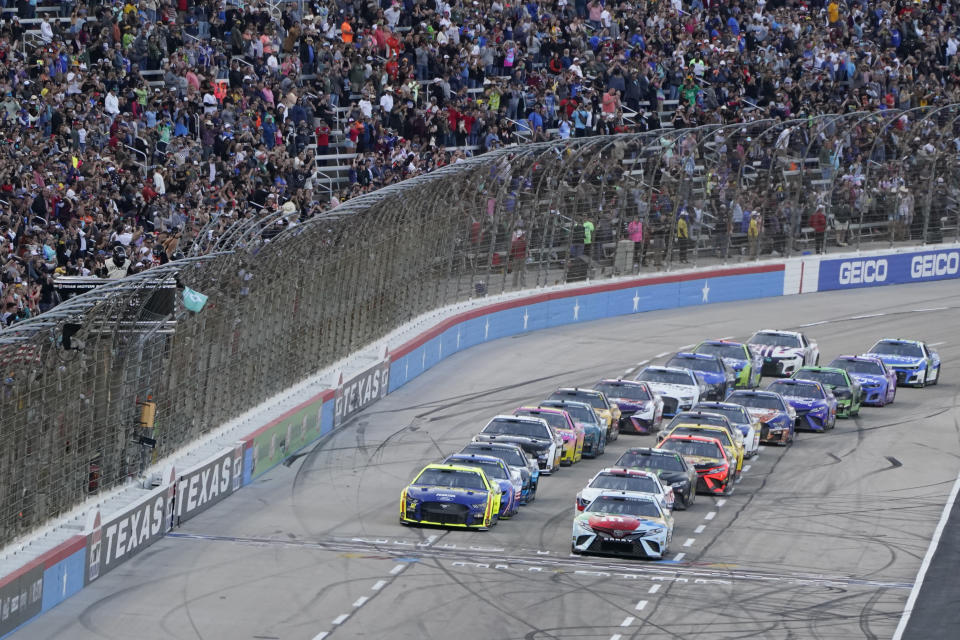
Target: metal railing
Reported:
point(290, 296)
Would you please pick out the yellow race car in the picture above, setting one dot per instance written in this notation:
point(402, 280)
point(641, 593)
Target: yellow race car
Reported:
point(607, 412)
point(451, 495)
point(734, 448)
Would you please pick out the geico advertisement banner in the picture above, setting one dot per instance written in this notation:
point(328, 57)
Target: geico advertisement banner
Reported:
point(21, 598)
point(208, 484)
point(892, 269)
point(360, 392)
point(123, 536)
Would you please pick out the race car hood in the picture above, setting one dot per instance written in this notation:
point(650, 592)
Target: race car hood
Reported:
point(803, 403)
point(898, 361)
point(763, 415)
point(618, 526)
point(631, 406)
point(590, 493)
point(528, 444)
point(668, 477)
point(702, 461)
point(711, 377)
point(447, 494)
point(673, 390)
point(770, 351)
point(735, 363)
point(868, 378)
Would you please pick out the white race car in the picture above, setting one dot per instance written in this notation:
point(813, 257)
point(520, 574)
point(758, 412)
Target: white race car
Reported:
point(679, 388)
point(783, 352)
point(629, 481)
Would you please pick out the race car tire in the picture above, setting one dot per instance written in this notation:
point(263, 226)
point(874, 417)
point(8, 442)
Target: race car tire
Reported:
point(728, 488)
point(895, 392)
point(691, 497)
point(574, 550)
point(937, 379)
point(855, 414)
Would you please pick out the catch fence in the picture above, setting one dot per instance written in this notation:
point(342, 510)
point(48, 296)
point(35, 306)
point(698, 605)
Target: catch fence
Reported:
point(289, 297)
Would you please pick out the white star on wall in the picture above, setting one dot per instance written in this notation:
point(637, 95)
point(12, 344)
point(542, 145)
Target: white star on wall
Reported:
point(636, 300)
point(576, 310)
point(706, 291)
point(526, 317)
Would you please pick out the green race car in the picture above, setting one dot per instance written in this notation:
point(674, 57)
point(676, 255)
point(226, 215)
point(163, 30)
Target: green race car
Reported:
point(847, 390)
point(746, 365)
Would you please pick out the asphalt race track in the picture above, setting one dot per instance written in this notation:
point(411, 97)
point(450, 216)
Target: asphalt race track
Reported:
point(820, 540)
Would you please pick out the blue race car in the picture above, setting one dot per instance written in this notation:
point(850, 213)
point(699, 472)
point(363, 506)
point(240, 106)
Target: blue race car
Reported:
point(745, 364)
point(516, 460)
point(915, 364)
point(717, 378)
point(777, 418)
point(497, 471)
point(740, 419)
point(815, 405)
point(878, 383)
point(450, 496)
point(594, 434)
point(641, 410)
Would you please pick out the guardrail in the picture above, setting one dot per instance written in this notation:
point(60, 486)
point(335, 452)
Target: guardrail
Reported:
point(288, 297)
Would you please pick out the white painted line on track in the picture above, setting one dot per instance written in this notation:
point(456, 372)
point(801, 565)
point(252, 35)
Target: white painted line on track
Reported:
point(660, 355)
point(380, 584)
point(641, 605)
point(929, 309)
point(654, 588)
point(340, 619)
point(689, 542)
point(616, 636)
point(397, 569)
point(727, 338)
point(687, 346)
point(746, 468)
point(321, 635)
point(867, 315)
point(721, 502)
point(627, 621)
point(934, 543)
point(630, 370)
point(935, 344)
point(362, 600)
point(643, 362)
point(700, 528)
point(813, 324)
point(679, 557)
point(710, 516)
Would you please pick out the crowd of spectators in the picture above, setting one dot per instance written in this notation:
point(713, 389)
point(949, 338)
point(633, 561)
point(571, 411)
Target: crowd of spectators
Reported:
point(135, 131)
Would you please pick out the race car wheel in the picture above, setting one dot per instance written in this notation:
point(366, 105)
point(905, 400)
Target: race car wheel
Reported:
point(573, 549)
point(895, 393)
point(937, 379)
point(691, 496)
point(728, 488)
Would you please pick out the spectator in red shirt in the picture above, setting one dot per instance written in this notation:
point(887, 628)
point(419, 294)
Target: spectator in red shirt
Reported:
point(819, 223)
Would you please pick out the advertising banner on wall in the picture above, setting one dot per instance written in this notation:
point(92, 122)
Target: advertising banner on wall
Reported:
point(899, 268)
point(208, 483)
point(358, 393)
point(21, 598)
point(124, 535)
point(292, 431)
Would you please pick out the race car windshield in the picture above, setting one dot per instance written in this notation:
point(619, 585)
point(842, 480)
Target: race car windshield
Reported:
point(758, 402)
point(703, 418)
point(692, 448)
point(625, 483)
point(734, 351)
point(775, 340)
point(831, 378)
point(508, 454)
point(665, 377)
point(581, 414)
point(859, 366)
point(796, 390)
point(631, 460)
point(555, 420)
point(709, 366)
point(905, 349)
point(490, 469)
point(451, 479)
point(736, 415)
point(625, 391)
point(593, 399)
point(723, 437)
point(621, 507)
point(517, 428)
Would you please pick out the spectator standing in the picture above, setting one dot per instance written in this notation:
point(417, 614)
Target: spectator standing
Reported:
point(818, 221)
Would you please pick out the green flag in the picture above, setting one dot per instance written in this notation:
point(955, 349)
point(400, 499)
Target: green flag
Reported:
point(193, 300)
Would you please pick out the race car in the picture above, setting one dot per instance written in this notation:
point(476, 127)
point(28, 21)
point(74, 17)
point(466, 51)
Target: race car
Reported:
point(497, 472)
point(670, 467)
point(710, 419)
point(622, 524)
point(641, 410)
point(783, 352)
point(877, 380)
point(745, 364)
point(814, 404)
point(534, 435)
point(595, 434)
point(607, 412)
point(717, 378)
point(914, 362)
point(715, 471)
point(777, 418)
point(571, 433)
point(733, 448)
point(740, 419)
point(516, 459)
point(630, 481)
point(451, 495)
point(679, 388)
point(847, 390)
